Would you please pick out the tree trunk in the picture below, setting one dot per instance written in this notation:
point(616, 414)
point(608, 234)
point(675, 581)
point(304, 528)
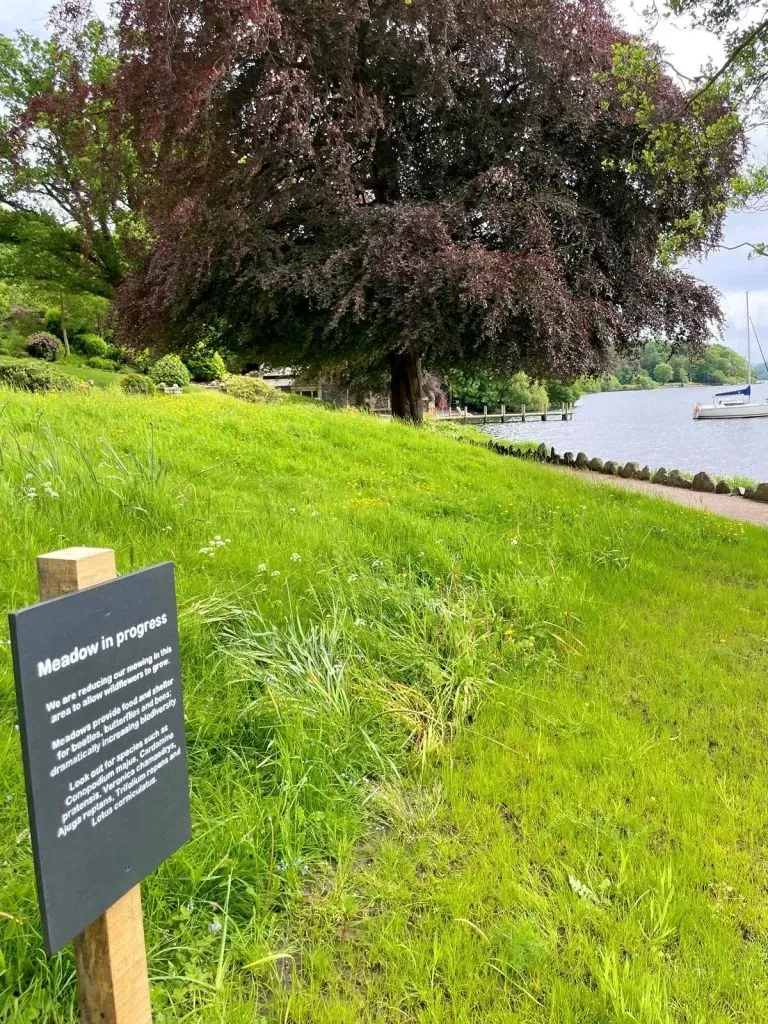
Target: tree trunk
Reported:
point(64, 334)
point(407, 386)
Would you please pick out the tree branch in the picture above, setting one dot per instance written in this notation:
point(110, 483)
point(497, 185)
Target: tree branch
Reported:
point(748, 39)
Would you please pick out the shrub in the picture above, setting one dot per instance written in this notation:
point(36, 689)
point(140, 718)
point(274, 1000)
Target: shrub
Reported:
point(99, 363)
point(43, 346)
point(53, 322)
point(205, 365)
point(32, 377)
point(90, 345)
point(252, 389)
point(140, 360)
point(117, 355)
point(23, 320)
point(170, 370)
point(137, 384)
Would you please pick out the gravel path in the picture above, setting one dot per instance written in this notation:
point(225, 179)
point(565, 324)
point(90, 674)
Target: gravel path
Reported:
point(719, 504)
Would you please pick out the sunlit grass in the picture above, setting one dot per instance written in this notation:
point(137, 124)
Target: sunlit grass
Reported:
point(469, 740)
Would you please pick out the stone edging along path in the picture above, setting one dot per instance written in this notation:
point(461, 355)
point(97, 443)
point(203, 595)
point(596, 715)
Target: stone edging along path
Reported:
point(701, 482)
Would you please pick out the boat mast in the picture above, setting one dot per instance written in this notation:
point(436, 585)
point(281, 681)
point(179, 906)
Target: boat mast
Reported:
point(749, 346)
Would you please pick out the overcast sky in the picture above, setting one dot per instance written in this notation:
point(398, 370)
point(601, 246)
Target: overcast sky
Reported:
point(730, 272)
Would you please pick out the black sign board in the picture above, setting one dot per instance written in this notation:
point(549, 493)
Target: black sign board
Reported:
point(98, 683)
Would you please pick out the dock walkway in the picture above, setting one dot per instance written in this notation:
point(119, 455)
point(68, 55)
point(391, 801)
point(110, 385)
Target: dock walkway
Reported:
point(543, 415)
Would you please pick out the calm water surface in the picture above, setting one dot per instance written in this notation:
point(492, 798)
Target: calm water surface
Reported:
point(656, 428)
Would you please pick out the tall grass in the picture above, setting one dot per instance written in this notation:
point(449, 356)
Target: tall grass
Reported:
point(468, 740)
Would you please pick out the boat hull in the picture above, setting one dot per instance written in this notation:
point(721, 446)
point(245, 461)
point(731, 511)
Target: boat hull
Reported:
point(731, 412)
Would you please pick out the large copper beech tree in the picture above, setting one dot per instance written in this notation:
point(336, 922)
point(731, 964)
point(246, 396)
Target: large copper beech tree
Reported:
point(384, 184)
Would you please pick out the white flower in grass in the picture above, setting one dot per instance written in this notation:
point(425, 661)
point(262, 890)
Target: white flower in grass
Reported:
point(352, 577)
point(359, 622)
point(215, 926)
point(275, 572)
point(314, 513)
point(30, 493)
point(212, 546)
point(262, 567)
point(293, 509)
point(28, 476)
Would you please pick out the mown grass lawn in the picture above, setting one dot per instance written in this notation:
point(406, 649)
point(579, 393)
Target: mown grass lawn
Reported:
point(74, 366)
point(470, 741)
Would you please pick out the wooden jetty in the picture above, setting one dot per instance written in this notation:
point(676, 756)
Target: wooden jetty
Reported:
point(525, 416)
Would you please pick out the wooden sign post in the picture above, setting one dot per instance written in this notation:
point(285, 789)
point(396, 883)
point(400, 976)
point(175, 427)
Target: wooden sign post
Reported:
point(102, 730)
point(110, 955)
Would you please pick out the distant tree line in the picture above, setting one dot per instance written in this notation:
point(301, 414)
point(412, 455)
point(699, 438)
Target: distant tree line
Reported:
point(653, 368)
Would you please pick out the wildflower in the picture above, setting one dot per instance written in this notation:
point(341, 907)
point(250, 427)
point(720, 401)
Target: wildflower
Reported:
point(314, 513)
point(295, 557)
point(30, 493)
point(352, 577)
point(213, 545)
point(262, 567)
point(215, 926)
point(293, 509)
point(377, 563)
point(48, 488)
point(359, 622)
point(275, 572)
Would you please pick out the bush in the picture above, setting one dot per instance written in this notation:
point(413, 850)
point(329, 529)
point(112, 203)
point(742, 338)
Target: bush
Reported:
point(31, 377)
point(43, 346)
point(117, 355)
point(140, 360)
point(205, 365)
point(99, 363)
point(23, 320)
point(252, 389)
point(170, 370)
point(90, 345)
point(137, 384)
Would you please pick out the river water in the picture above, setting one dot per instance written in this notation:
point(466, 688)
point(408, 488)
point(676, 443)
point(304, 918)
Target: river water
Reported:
point(656, 428)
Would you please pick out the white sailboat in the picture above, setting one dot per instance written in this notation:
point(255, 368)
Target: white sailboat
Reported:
point(735, 405)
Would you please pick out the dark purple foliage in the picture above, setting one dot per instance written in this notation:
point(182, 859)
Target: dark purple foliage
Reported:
point(378, 185)
point(43, 346)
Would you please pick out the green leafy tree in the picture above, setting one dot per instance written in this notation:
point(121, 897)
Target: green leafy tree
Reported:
point(655, 352)
point(663, 373)
point(36, 249)
point(720, 365)
point(59, 154)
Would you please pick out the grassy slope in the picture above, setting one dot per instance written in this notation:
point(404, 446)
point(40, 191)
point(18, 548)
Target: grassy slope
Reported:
point(75, 366)
point(589, 848)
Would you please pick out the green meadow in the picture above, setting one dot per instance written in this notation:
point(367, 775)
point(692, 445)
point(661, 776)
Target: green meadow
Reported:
point(470, 741)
